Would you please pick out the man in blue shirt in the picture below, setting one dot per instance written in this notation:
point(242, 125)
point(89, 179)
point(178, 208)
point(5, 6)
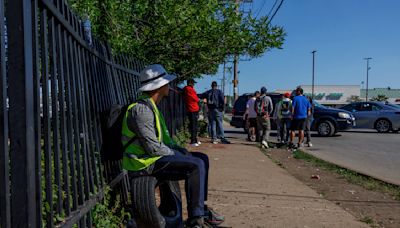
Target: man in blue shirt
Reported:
point(301, 109)
point(215, 105)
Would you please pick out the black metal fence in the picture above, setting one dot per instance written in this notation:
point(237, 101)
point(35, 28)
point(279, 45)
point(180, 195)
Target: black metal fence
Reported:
point(53, 87)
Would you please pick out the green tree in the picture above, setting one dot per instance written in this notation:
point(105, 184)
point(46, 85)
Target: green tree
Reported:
point(380, 97)
point(354, 98)
point(189, 37)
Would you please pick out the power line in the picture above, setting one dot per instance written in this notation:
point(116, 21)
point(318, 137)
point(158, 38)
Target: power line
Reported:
point(277, 9)
point(261, 8)
point(270, 11)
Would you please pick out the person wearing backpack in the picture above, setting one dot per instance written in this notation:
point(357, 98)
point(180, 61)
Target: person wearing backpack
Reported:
point(264, 109)
point(150, 148)
point(283, 113)
point(215, 105)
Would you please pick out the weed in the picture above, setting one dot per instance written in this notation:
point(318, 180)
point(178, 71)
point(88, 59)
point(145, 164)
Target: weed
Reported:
point(367, 220)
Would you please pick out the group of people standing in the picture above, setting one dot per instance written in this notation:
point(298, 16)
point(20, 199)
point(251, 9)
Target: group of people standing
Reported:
point(292, 113)
point(215, 105)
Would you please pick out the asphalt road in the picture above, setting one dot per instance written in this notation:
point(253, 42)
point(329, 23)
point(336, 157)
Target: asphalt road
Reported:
point(364, 151)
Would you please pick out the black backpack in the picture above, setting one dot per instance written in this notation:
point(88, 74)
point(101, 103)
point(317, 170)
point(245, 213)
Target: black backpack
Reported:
point(112, 148)
point(111, 130)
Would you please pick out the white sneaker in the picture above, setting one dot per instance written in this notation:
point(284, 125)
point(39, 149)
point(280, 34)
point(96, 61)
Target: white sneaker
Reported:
point(309, 144)
point(214, 141)
point(264, 144)
point(194, 144)
point(198, 142)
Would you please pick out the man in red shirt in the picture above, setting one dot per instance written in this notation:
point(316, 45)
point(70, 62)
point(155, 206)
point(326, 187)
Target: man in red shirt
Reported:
point(192, 108)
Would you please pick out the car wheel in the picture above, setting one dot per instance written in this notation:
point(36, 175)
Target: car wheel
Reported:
point(156, 204)
point(383, 125)
point(325, 128)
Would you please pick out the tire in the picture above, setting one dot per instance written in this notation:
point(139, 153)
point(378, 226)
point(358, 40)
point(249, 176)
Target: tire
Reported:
point(146, 213)
point(383, 125)
point(326, 128)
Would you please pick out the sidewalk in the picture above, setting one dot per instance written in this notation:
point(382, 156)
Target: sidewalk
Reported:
point(252, 191)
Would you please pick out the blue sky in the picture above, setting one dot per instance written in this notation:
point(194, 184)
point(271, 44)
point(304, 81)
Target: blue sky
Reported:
point(342, 31)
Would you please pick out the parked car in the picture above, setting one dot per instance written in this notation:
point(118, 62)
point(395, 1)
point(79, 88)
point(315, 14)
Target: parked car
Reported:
point(375, 115)
point(327, 121)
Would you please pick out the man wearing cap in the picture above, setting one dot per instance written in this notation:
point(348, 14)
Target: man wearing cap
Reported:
point(192, 108)
point(150, 148)
point(215, 105)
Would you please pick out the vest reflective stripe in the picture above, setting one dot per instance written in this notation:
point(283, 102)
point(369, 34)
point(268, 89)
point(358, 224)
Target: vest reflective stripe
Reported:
point(140, 160)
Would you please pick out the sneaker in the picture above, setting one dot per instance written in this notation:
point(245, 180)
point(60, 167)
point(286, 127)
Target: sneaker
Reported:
point(225, 141)
point(198, 142)
point(194, 144)
point(214, 141)
point(212, 217)
point(196, 222)
point(300, 145)
point(264, 144)
point(309, 144)
point(253, 138)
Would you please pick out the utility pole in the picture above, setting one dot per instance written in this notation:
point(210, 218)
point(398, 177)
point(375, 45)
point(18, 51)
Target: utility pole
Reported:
point(313, 67)
point(368, 68)
point(235, 64)
point(223, 79)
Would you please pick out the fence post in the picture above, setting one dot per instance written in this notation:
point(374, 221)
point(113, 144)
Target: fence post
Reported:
point(5, 216)
point(22, 144)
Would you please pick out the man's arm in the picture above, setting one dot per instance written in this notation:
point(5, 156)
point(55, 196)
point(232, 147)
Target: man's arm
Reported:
point(204, 95)
point(141, 121)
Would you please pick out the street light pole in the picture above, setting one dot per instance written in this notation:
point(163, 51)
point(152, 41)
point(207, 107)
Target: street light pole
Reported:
point(368, 68)
point(313, 67)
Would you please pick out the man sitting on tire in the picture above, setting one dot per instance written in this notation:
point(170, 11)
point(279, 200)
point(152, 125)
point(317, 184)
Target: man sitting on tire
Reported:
point(151, 149)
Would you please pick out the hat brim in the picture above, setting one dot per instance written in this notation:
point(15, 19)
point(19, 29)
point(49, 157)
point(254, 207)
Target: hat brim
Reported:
point(158, 83)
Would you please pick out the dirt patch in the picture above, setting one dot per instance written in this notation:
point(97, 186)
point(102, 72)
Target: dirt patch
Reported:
point(375, 208)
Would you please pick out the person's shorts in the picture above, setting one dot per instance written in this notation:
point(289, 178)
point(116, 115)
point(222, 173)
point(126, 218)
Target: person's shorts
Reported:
point(253, 122)
point(298, 124)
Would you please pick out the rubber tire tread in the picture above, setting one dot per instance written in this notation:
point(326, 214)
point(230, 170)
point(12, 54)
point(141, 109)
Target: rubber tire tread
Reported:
point(146, 212)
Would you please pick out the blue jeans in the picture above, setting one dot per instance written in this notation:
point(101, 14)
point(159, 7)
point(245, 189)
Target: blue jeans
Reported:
point(215, 118)
point(193, 168)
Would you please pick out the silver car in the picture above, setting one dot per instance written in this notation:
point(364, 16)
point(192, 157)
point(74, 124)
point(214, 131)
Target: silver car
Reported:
point(375, 115)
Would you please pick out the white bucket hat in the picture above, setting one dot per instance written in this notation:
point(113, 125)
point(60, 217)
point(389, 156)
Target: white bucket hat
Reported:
point(154, 77)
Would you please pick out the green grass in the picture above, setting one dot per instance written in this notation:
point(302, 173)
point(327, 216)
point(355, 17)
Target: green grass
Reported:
point(351, 176)
point(367, 220)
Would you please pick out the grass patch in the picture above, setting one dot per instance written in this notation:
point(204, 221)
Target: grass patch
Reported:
point(367, 220)
point(351, 176)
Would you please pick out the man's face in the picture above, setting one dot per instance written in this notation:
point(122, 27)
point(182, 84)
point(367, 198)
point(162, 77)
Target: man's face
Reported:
point(164, 91)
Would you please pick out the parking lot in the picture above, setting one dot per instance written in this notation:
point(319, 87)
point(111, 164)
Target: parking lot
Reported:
point(365, 151)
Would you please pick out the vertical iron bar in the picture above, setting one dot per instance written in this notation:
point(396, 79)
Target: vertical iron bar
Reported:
point(55, 113)
point(63, 124)
point(5, 216)
point(37, 111)
point(46, 118)
point(82, 121)
point(77, 146)
point(68, 65)
point(22, 136)
point(92, 130)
